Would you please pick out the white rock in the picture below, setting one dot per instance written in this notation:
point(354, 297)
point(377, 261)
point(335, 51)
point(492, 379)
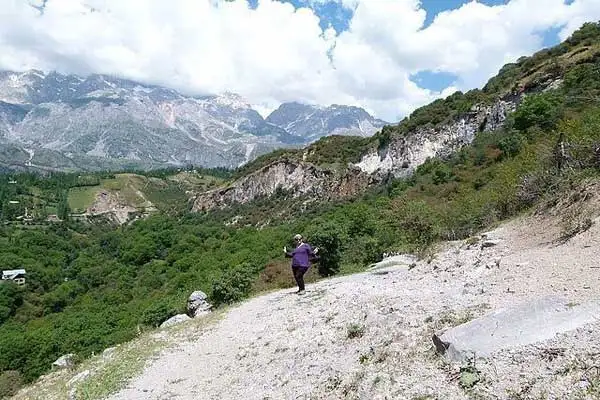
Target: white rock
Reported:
point(79, 377)
point(108, 353)
point(490, 243)
point(177, 319)
point(198, 305)
point(66, 361)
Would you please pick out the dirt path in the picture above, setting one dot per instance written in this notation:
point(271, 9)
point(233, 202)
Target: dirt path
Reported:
point(368, 336)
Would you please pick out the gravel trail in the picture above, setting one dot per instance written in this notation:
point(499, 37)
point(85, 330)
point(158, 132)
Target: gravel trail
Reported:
point(368, 336)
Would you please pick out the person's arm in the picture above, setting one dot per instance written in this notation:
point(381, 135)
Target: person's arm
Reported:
point(313, 252)
point(288, 254)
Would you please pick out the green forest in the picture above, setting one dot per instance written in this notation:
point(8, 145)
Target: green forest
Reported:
point(90, 286)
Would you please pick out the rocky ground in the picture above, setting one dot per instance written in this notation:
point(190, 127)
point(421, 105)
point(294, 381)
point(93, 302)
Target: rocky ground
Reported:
point(369, 336)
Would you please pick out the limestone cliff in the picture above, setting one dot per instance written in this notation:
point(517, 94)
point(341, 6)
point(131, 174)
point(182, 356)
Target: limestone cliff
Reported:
point(405, 153)
point(402, 155)
point(293, 178)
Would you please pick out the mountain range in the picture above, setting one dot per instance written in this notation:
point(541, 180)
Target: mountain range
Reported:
point(53, 120)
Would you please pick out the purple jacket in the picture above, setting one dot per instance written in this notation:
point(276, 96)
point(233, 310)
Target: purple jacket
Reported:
point(301, 255)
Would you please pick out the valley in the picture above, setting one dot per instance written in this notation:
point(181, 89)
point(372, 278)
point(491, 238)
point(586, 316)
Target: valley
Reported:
point(517, 160)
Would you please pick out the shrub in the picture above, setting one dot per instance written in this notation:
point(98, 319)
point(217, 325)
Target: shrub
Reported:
point(417, 221)
point(278, 275)
point(159, 312)
point(234, 285)
point(512, 144)
point(543, 110)
point(583, 139)
point(328, 239)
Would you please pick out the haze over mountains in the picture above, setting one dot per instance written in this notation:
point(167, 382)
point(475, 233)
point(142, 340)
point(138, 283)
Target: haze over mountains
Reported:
point(70, 122)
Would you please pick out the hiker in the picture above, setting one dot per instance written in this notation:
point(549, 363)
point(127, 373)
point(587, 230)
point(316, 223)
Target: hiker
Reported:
point(301, 257)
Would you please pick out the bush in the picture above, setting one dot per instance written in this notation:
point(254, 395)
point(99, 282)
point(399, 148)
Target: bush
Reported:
point(371, 250)
point(583, 139)
point(159, 312)
point(543, 110)
point(417, 221)
point(234, 285)
point(512, 144)
point(328, 239)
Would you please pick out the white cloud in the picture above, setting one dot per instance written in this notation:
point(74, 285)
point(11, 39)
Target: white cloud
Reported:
point(275, 53)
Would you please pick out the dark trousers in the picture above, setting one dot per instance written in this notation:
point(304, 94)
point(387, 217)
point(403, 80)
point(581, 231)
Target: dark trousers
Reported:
point(299, 276)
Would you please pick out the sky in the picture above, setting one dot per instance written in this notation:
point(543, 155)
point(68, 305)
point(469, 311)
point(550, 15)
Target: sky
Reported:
point(387, 56)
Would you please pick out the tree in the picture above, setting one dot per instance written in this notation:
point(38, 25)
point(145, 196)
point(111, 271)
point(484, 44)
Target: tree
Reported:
point(11, 297)
point(62, 209)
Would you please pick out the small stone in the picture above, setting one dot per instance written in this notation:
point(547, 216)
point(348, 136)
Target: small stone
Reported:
point(490, 243)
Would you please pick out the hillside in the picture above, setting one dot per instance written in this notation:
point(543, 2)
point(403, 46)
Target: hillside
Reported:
point(567, 72)
point(368, 335)
point(30, 199)
point(98, 286)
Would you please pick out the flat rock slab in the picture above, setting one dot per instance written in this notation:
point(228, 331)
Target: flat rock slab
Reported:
point(389, 264)
point(529, 322)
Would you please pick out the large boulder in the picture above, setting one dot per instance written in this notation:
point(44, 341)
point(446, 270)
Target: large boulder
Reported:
point(177, 319)
point(526, 323)
point(66, 361)
point(198, 304)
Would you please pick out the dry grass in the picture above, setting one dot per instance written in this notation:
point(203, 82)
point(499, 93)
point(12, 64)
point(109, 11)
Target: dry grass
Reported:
point(278, 275)
point(111, 372)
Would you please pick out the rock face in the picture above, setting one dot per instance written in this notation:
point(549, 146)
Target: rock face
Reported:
point(399, 159)
point(405, 154)
point(286, 177)
point(198, 304)
point(527, 323)
point(177, 319)
point(66, 361)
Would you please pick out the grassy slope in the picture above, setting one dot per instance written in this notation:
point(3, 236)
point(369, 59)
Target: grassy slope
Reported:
point(136, 190)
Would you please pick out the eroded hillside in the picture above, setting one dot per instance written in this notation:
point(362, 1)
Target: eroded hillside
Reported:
point(437, 130)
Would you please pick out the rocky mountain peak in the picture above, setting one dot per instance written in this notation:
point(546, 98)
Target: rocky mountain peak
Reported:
point(313, 122)
point(229, 99)
point(124, 121)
